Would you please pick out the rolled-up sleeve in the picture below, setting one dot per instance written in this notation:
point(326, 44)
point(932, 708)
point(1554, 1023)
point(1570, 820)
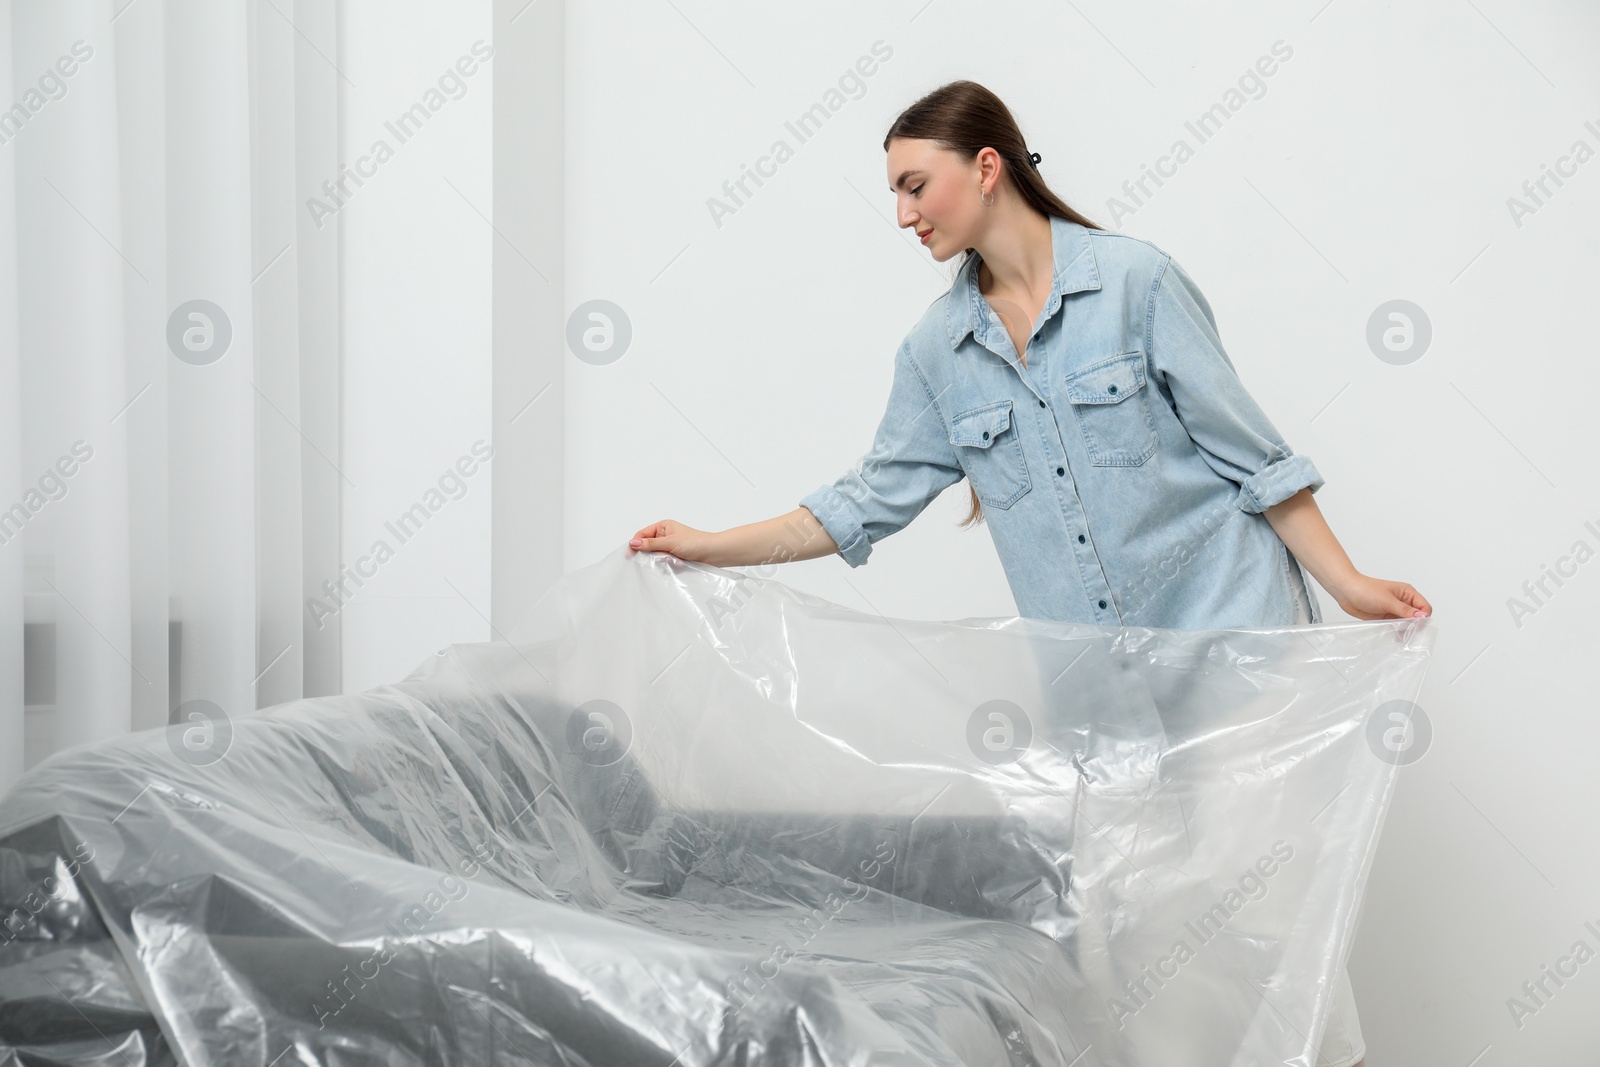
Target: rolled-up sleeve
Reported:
point(910, 463)
point(1229, 428)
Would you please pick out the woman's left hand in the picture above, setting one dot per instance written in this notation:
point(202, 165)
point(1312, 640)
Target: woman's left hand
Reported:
point(1375, 598)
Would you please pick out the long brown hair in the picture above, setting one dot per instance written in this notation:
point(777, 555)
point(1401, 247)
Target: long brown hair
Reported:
point(966, 118)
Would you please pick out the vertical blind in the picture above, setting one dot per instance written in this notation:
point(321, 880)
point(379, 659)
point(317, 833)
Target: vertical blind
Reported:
point(169, 364)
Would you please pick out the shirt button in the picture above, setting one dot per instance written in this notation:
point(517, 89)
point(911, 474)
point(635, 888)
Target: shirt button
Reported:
point(1061, 470)
point(1041, 403)
point(1080, 539)
point(1102, 603)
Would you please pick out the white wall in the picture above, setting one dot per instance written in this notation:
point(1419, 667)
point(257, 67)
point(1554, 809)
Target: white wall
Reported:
point(1376, 165)
point(415, 276)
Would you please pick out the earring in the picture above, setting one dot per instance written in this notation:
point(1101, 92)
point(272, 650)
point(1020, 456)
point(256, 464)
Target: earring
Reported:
point(987, 198)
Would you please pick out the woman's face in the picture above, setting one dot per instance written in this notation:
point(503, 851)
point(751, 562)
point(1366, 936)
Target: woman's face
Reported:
point(936, 194)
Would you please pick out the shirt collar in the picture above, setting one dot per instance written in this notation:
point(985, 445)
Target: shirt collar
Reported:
point(1075, 270)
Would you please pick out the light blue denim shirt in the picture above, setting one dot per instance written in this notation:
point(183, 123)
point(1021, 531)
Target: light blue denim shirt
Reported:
point(1123, 472)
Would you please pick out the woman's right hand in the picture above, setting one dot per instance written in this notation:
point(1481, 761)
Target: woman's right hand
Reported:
point(676, 539)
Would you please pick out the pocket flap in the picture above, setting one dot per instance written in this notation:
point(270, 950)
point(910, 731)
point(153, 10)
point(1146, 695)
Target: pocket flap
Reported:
point(980, 426)
point(1110, 382)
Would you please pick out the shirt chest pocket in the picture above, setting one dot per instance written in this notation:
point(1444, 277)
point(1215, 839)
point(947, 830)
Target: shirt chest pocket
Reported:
point(1111, 403)
point(989, 445)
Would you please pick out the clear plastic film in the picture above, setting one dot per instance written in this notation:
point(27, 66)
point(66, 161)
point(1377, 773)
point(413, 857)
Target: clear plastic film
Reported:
point(692, 816)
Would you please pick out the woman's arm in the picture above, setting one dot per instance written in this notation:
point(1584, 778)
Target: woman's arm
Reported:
point(911, 461)
point(1302, 528)
point(795, 535)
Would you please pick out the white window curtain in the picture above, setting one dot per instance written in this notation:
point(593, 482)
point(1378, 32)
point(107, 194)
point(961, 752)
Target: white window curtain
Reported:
point(169, 383)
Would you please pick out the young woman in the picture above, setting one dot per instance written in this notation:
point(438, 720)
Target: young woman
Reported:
point(1075, 378)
